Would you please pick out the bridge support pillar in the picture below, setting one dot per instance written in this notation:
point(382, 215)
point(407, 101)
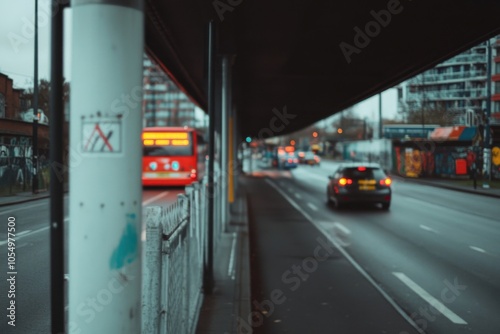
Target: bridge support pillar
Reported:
point(105, 167)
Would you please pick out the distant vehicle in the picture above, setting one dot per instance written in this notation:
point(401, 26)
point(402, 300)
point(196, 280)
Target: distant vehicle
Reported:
point(300, 156)
point(359, 183)
point(285, 157)
point(170, 156)
point(311, 159)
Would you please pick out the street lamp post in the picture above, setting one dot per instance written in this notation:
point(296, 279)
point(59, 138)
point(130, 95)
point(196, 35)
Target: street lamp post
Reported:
point(487, 129)
point(380, 120)
point(35, 108)
point(424, 102)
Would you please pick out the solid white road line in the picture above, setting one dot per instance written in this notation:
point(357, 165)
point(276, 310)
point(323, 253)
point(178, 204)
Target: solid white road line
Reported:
point(353, 262)
point(427, 228)
point(231, 269)
point(336, 230)
point(154, 198)
point(312, 206)
point(429, 299)
point(477, 249)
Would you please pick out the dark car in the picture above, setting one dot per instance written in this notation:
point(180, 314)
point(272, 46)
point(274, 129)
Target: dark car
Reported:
point(359, 183)
point(311, 159)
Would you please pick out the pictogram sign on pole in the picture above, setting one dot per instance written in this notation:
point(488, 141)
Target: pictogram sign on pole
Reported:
point(101, 137)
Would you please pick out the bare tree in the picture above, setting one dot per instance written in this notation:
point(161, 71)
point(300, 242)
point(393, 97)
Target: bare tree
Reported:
point(44, 95)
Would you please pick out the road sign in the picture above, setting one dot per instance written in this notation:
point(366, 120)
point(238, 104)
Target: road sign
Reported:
point(101, 137)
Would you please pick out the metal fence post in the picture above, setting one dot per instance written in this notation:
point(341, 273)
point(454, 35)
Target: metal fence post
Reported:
point(165, 264)
point(151, 291)
point(184, 201)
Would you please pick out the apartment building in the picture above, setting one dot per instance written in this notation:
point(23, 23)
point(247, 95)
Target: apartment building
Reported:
point(457, 87)
point(164, 104)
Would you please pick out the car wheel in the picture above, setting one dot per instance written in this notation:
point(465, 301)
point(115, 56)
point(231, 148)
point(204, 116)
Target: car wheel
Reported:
point(386, 206)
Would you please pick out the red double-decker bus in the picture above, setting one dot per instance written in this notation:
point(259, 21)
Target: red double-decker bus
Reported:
point(170, 156)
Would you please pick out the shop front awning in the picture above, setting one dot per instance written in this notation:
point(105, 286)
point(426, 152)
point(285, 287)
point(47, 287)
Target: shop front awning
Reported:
point(454, 133)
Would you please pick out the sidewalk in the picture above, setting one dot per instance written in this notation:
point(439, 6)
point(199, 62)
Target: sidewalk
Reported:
point(222, 311)
point(456, 184)
point(23, 197)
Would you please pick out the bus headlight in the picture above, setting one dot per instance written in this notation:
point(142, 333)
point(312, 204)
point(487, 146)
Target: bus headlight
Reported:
point(175, 165)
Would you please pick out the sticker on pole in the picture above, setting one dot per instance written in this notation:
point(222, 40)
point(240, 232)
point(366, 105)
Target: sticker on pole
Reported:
point(101, 137)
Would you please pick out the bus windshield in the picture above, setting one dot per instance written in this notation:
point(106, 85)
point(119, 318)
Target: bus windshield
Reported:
point(158, 144)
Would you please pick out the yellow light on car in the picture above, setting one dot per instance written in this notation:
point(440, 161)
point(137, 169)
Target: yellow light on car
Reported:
point(386, 182)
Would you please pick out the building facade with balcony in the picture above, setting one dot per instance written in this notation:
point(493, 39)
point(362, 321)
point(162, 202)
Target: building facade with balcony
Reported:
point(495, 99)
point(164, 104)
point(456, 88)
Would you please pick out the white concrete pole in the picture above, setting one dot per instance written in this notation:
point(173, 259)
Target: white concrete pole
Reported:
point(105, 174)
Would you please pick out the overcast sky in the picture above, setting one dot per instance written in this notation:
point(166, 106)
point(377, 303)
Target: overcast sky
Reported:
point(17, 40)
point(17, 51)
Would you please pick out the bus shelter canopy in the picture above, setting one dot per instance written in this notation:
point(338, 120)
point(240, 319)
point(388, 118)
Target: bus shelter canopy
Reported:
point(297, 62)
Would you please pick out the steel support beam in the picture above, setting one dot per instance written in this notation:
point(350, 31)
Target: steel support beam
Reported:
point(208, 277)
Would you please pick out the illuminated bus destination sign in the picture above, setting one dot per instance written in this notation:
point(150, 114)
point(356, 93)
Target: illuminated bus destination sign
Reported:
point(165, 139)
point(165, 135)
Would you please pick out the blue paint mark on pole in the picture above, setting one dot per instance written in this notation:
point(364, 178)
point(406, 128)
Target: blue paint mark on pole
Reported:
point(126, 251)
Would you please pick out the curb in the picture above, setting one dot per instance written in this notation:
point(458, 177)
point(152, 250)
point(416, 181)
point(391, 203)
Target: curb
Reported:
point(244, 278)
point(24, 200)
point(439, 185)
point(31, 199)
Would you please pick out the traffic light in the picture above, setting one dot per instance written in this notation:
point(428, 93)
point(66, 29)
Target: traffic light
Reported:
point(315, 134)
point(339, 131)
point(248, 139)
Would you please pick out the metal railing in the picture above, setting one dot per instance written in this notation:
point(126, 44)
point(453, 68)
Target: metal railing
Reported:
point(428, 78)
point(449, 94)
point(174, 260)
point(173, 264)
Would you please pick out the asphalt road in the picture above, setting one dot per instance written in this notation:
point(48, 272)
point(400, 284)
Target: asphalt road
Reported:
point(33, 260)
point(434, 256)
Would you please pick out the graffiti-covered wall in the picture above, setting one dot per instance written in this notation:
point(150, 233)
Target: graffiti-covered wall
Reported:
point(16, 166)
point(441, 159)
point(495, 161)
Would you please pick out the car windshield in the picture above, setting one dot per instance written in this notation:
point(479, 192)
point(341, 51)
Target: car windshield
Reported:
point(364, 173)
